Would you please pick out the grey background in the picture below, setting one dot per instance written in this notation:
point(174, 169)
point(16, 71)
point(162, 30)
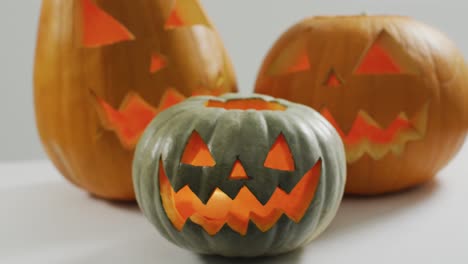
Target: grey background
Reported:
point(248, 28)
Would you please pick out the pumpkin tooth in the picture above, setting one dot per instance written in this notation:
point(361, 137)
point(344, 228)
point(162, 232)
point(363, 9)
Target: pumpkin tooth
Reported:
point(367, 118)
point(266, 223)
point(134, 114)
point(266, 194)
point(238, 223)
point(191, 224)
point(420, 119)
point(221, 210)
point(205, 195)
point(234, 190)
point(403, 116)
point(212, 227)
point(368, 137)
point(378, 151)
point(129, 120)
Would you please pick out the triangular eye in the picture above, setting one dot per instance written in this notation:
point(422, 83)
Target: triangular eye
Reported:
point(158, 62)
point(280, 156)
point(292, 59)
point(174, 20)
point(100, 29)
point(196, 152)
point(385, 56)
point(185, 13)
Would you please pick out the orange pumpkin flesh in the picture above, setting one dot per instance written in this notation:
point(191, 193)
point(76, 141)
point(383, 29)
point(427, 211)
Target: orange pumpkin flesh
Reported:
point(221, 209)
point(394, 89)
point(158, 62)
point(280, 156)
point(238, 172)
point(366, 136)
point(333, 80)
point(102, 69)
point(254, 104)
point(197, 153)
point(123, 121)
point(134, 115)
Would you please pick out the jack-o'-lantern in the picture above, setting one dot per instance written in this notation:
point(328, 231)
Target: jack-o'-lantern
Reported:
point(239, 176)
point(395, 89)
point(105, 68)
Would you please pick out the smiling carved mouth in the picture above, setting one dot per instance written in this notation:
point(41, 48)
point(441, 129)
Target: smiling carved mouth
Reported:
point(238, 212)
point(367, 136)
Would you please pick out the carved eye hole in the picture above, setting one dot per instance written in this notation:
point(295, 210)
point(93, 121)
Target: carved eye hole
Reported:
point(100, 28)
point(292, 59)
point(385, 56)
point(196, 152)
point(184, 14)
point(280, 156)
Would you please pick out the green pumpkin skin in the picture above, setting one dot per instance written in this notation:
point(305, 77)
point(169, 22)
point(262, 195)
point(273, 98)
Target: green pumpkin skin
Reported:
point(247, 135)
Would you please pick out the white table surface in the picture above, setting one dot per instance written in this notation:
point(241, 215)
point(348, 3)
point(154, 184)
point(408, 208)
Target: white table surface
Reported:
point(44, 219)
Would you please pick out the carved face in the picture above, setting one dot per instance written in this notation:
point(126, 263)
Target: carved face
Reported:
point(242, 206)
point(238, 169)
point(386, 84)
point(101, 30)
point(105, 68)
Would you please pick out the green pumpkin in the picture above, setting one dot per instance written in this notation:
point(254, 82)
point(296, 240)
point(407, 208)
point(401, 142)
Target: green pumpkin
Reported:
point(239, 176)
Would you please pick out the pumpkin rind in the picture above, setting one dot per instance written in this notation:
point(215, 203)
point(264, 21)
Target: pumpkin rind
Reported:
point(79, 63)
point(244, 135)
point(419, 87)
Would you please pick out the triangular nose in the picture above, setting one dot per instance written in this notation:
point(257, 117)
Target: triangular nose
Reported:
point(333, 80)
point(238, 172)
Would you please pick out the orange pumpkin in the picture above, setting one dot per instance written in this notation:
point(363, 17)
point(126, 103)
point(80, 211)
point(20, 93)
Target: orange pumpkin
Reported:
point(105, 68)
point(395, 89)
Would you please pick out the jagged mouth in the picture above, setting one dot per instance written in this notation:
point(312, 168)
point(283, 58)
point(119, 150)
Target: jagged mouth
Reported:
point(366, 136)
point(237, 213)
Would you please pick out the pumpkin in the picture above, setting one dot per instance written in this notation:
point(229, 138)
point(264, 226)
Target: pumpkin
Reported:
point(239, 176)
point(394, 88)
point(105, 68)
